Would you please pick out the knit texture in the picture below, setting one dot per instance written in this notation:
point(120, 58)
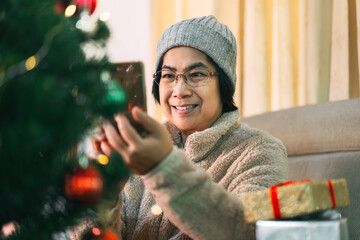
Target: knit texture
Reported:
point(205, 34)
point(199, 188)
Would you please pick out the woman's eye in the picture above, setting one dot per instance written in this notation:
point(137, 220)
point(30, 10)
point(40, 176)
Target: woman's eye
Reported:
point(168, 76)
point(197, 75)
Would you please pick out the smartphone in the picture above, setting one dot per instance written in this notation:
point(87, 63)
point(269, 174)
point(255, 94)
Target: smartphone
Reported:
point(130, 75)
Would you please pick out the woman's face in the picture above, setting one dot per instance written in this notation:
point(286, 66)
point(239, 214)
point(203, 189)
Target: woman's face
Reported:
point(190, 108)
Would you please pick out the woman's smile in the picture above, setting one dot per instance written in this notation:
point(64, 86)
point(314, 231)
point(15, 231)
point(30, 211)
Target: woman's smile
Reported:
point(184, 109)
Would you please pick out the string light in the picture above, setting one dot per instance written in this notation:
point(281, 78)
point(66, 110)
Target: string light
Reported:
point(96, 231)
point(31, 62)
point(70, 10)
point(105, 16)
point(103, 159)
point(156, 210)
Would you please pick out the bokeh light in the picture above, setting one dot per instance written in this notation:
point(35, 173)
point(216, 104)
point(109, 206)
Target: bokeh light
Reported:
point(96, 231)
point(31, 62)
point(83, 161)
point(156, 210)
point(105, 16)
point(103, 159)
point(9, 228)
point(70, 10)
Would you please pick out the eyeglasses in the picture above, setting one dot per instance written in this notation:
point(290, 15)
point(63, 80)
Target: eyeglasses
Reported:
point(194, 77)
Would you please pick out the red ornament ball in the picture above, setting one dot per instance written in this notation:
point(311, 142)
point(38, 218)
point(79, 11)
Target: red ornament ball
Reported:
point(97, 233)
point(84, 186)
point(89, 5)
point(61, 5)
point(108, 235)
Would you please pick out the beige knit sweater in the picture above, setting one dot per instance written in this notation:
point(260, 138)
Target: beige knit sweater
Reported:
point(195, 193)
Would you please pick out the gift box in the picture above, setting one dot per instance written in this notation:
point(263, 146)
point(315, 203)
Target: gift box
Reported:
point(291, 199)
point(300, 230)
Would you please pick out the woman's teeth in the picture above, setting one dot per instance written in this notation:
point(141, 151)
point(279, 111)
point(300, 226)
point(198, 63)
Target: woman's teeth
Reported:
point(186, 107)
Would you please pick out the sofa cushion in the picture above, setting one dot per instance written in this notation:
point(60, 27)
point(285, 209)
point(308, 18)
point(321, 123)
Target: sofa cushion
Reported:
point(318, 128)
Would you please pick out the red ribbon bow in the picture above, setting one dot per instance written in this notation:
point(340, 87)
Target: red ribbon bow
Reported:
point(275, 200)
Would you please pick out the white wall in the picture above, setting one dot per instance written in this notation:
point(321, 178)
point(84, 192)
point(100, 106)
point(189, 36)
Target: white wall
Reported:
point(130, 39)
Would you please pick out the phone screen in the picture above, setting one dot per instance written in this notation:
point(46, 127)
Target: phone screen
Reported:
point(130, 75)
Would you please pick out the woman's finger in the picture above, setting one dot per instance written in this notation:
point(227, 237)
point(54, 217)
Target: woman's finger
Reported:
point(96, 138)
point(106, 149)
point(127, 131)
point(113, 137)
point(95, 145)
point(149, 124)
point(93, 155)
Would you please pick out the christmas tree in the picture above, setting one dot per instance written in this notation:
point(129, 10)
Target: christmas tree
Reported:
point(52, 93)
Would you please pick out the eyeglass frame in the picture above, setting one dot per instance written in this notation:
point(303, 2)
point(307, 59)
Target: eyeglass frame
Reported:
point(155, 76)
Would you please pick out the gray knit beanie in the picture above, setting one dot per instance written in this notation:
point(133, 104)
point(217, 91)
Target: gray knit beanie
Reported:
point(205, 34)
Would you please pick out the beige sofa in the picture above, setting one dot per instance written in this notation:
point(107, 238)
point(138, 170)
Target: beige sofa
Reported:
point(323, 142)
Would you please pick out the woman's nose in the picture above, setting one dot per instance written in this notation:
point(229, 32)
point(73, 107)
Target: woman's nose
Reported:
point(181, 88)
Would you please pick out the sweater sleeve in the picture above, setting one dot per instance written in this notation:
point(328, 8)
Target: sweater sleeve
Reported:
point(194, 203)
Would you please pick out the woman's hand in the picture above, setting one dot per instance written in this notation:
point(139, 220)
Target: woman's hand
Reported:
point(140, 153)
point(99, 145)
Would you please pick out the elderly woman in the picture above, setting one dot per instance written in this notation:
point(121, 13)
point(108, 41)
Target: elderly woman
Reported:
point(191, 172)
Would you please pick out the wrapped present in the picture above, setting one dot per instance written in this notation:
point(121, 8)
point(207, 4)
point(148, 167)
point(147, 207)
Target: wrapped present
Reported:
point(291, 199)
point(299, 230)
